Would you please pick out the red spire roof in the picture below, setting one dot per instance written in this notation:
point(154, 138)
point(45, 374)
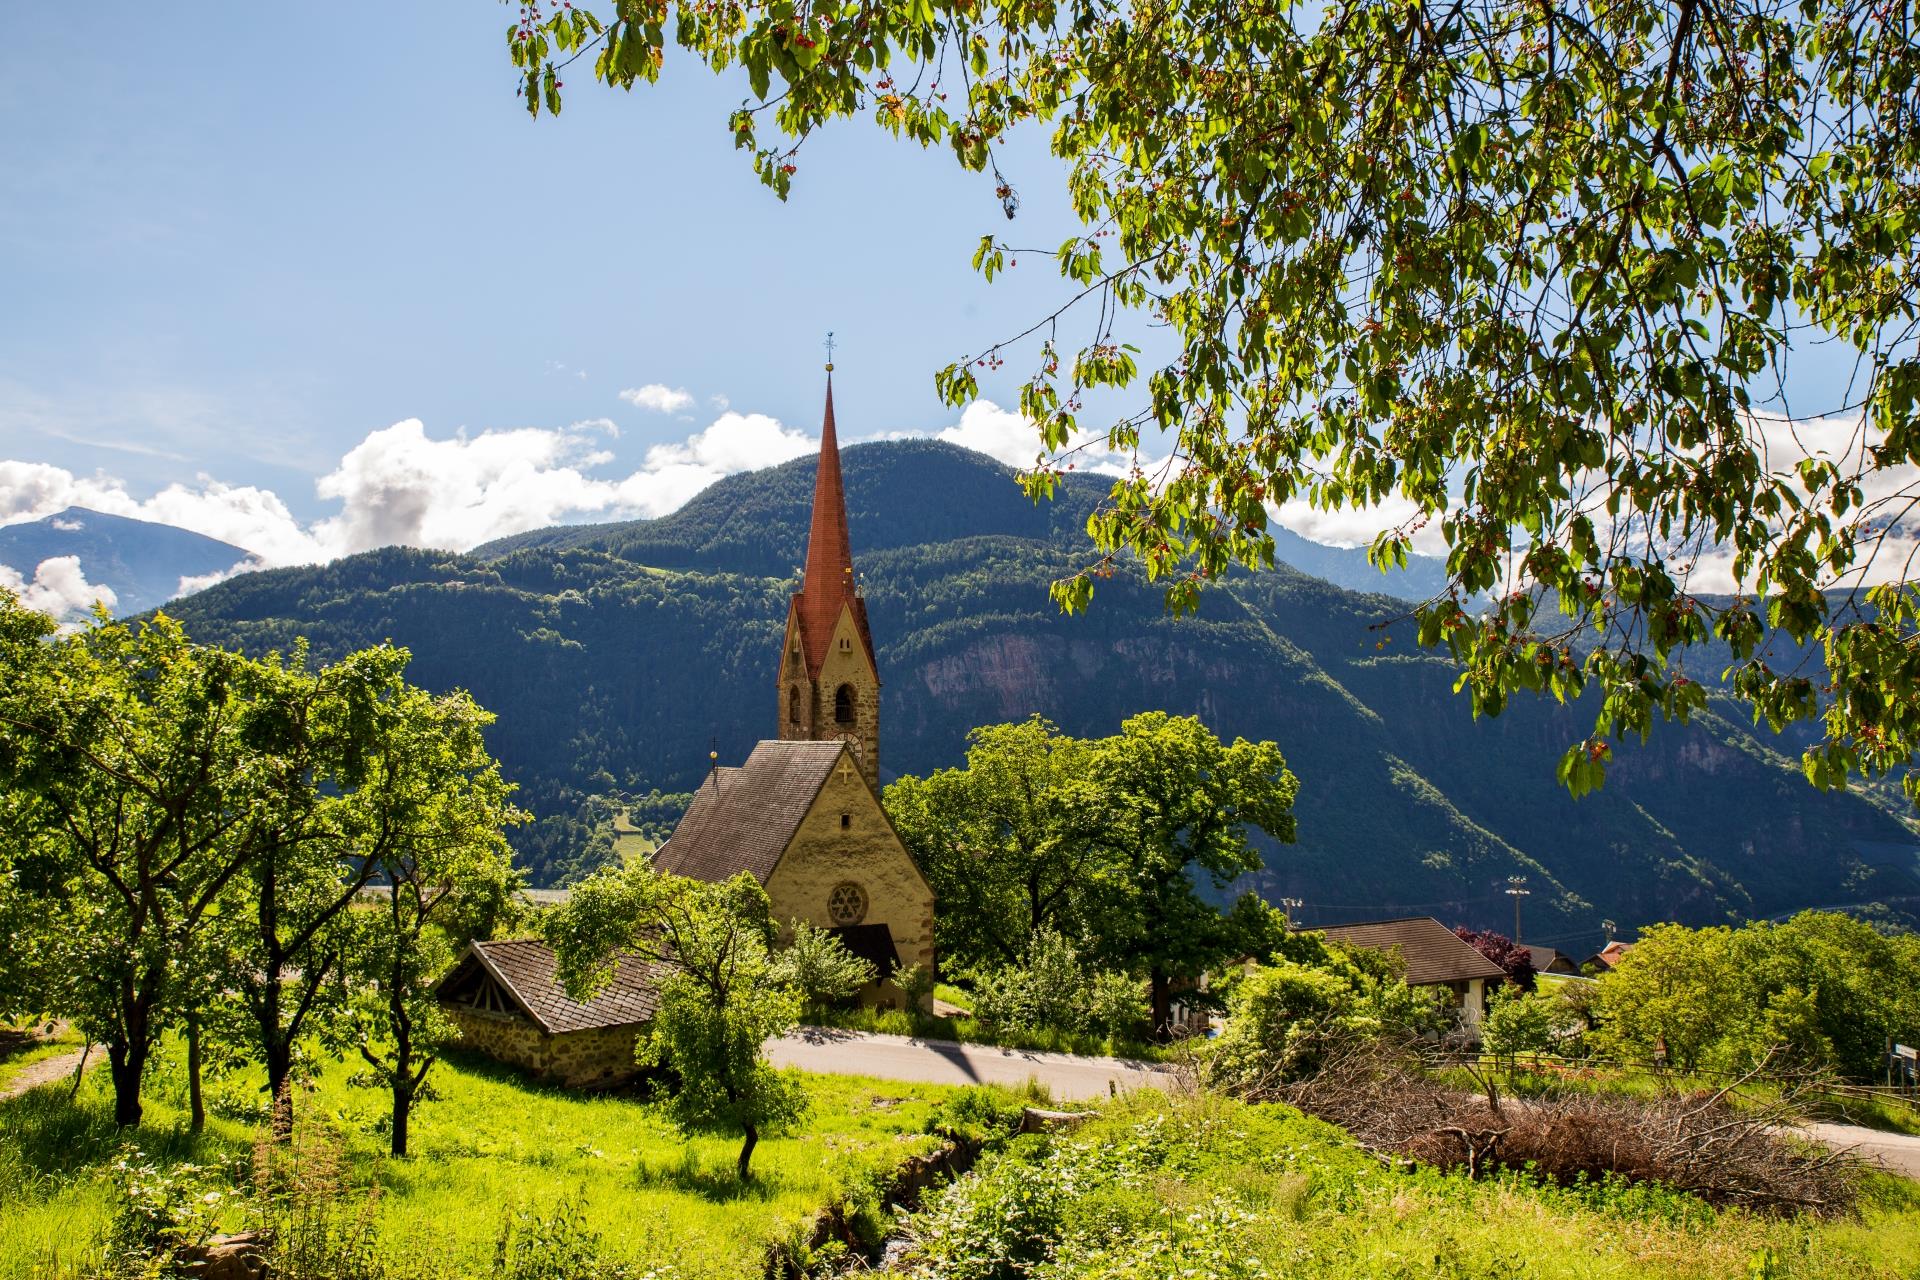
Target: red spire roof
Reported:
point(829, 581)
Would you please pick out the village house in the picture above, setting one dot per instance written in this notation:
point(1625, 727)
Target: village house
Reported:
point(802, 815)
point(1435, 957)
point(508, 1003)
point(1548, 960)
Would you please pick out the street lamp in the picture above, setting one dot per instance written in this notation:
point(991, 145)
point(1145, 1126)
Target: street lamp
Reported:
point(1517, 889)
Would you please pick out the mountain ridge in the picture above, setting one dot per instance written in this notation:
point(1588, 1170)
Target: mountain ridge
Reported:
point(614, 674)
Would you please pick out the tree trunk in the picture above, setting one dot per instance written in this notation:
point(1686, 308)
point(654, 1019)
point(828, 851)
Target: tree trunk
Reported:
point(196, 1104)
point(402, 1088)
point(126, 1061)
point(1161, 988)
point(279, 1064)
point(745, 1165)
point(402, 1110)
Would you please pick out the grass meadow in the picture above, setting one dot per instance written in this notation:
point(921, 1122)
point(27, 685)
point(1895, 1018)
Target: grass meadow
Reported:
point(1243, 1192)
point(492, 1143)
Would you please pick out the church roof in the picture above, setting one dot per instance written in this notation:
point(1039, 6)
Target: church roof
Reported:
point(743, 819)
point(829, 583)
point(528, 972)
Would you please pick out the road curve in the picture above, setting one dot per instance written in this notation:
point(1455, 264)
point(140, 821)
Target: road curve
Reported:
point(1067, 1077)
point(1895, 1152)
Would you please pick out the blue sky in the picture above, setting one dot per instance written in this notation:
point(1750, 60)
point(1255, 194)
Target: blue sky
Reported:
point(235, 245)
point(308, 278)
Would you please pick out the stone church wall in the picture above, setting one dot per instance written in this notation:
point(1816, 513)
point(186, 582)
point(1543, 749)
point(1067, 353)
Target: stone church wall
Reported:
point(600, 1056)
point(865, 852)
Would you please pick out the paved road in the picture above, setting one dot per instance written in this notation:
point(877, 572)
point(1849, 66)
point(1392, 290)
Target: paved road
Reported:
point(1069, 1078)
point(1897, 1152)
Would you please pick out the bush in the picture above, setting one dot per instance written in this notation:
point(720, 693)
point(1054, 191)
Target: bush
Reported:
point(159, 1213)
point(558, 1245)
point(822, 970)
point(976, 1113)
point(1054, 991)
point(1283, 1018)
point(1545, 1020)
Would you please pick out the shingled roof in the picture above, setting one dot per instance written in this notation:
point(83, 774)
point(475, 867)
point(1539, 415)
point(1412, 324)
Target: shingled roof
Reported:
point(528, 972)
point(743, 819)
point(1434, 954)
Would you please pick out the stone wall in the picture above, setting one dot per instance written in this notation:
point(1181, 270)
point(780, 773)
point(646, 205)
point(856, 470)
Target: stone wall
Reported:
point(600, 1056)
point(866, 852)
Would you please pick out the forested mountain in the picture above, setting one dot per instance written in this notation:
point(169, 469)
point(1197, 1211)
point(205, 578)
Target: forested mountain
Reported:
point(618, 655)
point(142, 561)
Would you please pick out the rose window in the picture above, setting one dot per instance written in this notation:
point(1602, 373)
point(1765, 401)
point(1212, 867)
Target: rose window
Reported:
point(847, 904)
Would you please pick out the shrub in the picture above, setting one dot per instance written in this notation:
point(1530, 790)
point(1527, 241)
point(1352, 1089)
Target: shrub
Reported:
point(159, 1213)
point(558, 1245)
point(822, 970)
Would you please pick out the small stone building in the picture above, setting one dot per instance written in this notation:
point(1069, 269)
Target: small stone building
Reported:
point(1435, 957)
point(507, 1000)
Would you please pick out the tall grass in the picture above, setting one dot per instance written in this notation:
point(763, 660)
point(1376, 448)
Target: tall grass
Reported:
point(490, 1145)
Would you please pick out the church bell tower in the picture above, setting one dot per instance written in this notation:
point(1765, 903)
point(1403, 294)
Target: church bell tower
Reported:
point(829, 683)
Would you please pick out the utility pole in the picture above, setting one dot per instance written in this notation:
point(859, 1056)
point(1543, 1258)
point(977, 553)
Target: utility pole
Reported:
point(1517, 889)
point(1291, 905)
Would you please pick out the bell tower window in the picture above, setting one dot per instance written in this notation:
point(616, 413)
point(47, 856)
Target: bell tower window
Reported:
point(843, 704)
point(793, 705)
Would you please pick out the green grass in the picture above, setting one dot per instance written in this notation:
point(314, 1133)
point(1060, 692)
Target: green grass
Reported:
point(493, 1142)
point(22, 1045)
point(1158, 1186)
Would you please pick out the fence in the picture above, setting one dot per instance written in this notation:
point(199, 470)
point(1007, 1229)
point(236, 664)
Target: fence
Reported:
point(1815, 1085)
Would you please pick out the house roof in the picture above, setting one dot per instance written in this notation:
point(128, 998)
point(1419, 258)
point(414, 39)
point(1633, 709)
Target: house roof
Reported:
point(1544, 958)
point(828, 584)
point(528, 972)
point(1432, 951)
point(743, 819)
point(1610, 954)
point(872, 943)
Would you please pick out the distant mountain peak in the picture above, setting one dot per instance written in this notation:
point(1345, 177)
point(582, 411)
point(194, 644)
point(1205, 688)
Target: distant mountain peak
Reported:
point(144, 562)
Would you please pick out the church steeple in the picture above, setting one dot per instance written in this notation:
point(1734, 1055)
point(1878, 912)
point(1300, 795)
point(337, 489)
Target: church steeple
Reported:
point(830, 683)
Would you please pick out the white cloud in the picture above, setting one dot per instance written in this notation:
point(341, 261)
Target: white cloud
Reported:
point(58, 589)
point(659, 397)
point(192, 582)
point(402, 486)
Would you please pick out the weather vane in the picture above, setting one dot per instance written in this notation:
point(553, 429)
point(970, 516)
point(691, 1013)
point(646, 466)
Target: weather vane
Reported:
point(828, 344)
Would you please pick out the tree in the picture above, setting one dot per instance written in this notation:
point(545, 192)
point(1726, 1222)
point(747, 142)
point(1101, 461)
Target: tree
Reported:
point(428, 812)
point(1503, 951)
point(131, 798)
point(1677, 993)
point(1176, 803)
point(1524, 276)
point(1286, 1014)
point(1007, 841)
point(722, 992)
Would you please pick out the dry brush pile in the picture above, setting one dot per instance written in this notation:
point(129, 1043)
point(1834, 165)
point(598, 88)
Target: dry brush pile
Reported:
point(1726, 1147)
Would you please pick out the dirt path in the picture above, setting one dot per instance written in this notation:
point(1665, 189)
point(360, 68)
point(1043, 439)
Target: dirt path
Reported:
point(46, 1071)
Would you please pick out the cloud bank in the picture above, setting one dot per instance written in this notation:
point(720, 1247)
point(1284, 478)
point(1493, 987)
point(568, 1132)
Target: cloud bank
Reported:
point(401, 486)
point(58, 588)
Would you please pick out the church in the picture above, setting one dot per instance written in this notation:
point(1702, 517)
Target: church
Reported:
point(802, 814)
